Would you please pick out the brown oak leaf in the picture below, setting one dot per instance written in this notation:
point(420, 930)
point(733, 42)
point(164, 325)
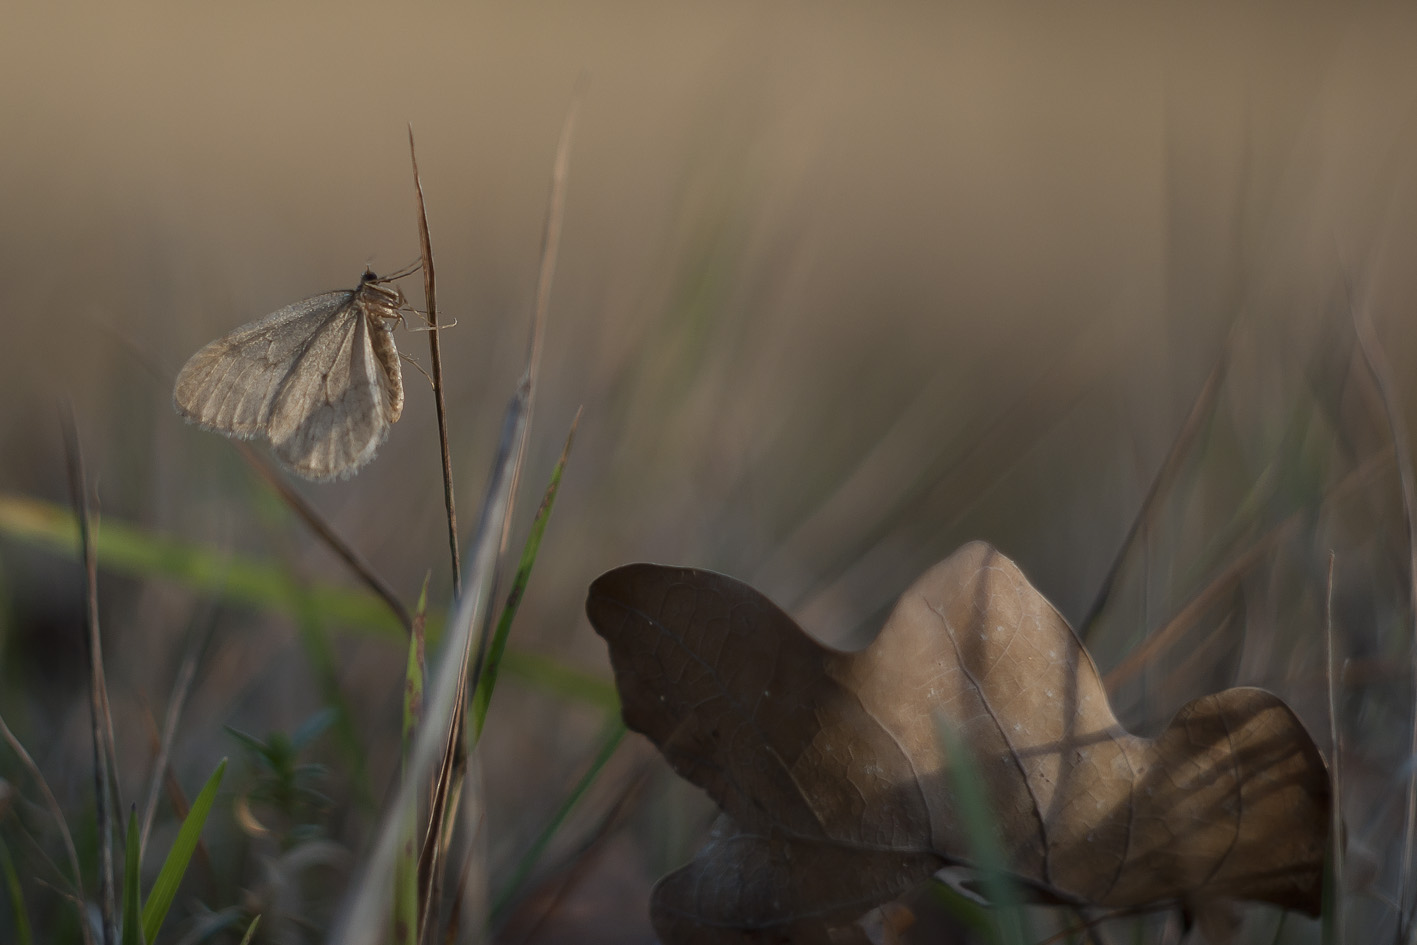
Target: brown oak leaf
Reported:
point(835, 783)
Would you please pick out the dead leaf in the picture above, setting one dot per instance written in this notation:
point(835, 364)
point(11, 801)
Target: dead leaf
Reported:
point(835, 784)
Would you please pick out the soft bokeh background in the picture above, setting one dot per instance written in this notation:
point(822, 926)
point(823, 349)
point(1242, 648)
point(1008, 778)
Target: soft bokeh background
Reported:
point(841, 287)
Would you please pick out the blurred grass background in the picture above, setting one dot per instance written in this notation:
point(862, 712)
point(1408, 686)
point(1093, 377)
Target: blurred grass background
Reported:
point(841, 287)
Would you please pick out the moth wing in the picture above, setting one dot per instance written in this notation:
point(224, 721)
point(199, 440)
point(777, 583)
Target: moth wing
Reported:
point(332, 412)
point(231, 385)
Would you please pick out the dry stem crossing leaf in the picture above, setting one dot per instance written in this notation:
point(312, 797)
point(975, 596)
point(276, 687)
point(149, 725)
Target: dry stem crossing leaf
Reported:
point(836, 787)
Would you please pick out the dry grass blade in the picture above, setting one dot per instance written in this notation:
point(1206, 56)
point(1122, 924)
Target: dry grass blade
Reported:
point(1382, 376)
point(551, 234)
point(1201, 409)
point(99, 714)
point(430, 299)
point(327, 534)
point(451, 770)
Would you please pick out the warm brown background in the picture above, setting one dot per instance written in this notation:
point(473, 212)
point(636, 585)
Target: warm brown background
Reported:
point(996, 246)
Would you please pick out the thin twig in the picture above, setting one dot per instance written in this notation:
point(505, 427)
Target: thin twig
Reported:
point(327, 534)
point(430, 299)
point(98, 695)
point(1377, 366)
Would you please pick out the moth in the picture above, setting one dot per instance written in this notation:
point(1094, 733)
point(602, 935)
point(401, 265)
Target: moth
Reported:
point(319, 379)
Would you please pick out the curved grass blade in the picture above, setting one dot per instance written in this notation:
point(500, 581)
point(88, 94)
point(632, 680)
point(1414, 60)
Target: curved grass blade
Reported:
point(175, 866)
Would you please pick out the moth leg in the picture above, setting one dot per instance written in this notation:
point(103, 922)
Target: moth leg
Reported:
point(409, 327)
point(410, 359)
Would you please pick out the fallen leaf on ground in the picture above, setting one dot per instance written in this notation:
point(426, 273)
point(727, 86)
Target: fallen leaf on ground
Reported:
point(836, 787)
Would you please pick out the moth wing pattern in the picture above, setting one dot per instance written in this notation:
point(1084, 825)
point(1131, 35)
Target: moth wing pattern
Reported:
point(331, 415)
point(314, 377)
point(229, 385)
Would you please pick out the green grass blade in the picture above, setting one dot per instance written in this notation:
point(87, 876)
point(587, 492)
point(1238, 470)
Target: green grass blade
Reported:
point(978, 816)
point(250, 931)
point(614, 734)
point(175, 866)
point(482, 693)
point(132, 898)
point(413, 673)
point(406, 893)
point(235, 579)
point(23, 935)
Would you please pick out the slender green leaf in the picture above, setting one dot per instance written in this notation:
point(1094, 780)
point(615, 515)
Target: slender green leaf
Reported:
point(127, 550)
point(23, 936)
point(250, 931)
point(406, 892)
point(132, 896)
point(610, 741)
point(175, 866)
point(979, 819)
point(236, 579)
point(482, 694)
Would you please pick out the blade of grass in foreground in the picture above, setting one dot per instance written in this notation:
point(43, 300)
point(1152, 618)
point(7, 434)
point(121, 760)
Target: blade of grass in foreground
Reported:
point(365, 914)
point(482, 694)
point(17, 900)
point(132, 929)
point(250, 931)
point(407, 927)
point(175, 866)
point(978, 817)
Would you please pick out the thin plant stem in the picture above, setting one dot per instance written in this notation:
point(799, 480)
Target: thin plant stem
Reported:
point(430, 300)
point(326, 533)
point(98, 695)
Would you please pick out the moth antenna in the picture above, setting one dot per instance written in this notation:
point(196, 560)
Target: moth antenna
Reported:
point(408, 270)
